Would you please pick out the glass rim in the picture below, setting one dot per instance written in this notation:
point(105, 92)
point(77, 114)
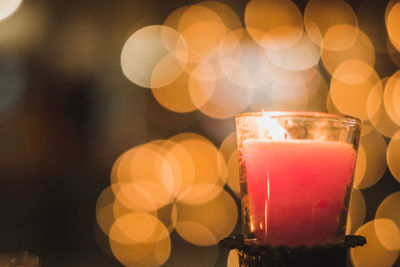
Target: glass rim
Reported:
point(300, 114)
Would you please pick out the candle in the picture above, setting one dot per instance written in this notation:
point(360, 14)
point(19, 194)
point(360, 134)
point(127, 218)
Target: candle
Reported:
point(296, 174)
point(296, 189)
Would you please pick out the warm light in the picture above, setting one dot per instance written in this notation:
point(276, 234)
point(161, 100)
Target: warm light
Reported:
point(227, 14)
point(154, 246)
point(208, 166)
point(233, 258)
point(389, 209)
point(303, 54)
point(377, 113)
point(393, 157)
point(274, 24)
point(320, 16)
point(350, 87)
point(371, 162)
point(176, 96)
point(391, 97)
point(8, 7)
point(373, 253)
point(269, 126)
point(362, 50)
point(393, 25)
point(208, 223)
point(154, 56)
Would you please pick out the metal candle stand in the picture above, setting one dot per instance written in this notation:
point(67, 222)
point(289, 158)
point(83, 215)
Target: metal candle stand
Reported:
point(328, 255)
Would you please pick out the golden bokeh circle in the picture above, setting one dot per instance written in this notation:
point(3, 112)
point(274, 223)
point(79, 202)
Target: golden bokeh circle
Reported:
point(391, 97)
point(200, 224)
point(377, 113)
point(371, 162)
point(393, 25)
point(362, 49)
point(8, 7)
point(154, 56)
point(350, 87)
point(322, 15)
point(393, 156)
point(208, 166)
point(149, 245)
point(274, 24)
point(388, 209)
point(373, 253)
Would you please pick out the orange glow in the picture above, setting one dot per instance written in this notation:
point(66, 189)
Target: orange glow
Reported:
point(393, 25)
point(362, 50)
point(202, 83)
point(303, 54)
point(154, 246)
point(208, 165)
point(391, 97)
point(233, 258)
point(377, 114)
point(373, 253)
point(393, 157)
point(207, 229)
point(388, 209)
point(321, 15)
point(197, 22)
point(371, 162)
point(154, 56)
point(104, 210)
point(227, 14)
point(351, 85)
point(175, 96)
point(8, 7)
point(274, 24)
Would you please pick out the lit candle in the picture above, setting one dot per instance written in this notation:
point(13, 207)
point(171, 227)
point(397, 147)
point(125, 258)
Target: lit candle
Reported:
point(296, 178)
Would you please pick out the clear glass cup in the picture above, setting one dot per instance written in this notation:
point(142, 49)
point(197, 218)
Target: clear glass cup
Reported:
point(296, 176)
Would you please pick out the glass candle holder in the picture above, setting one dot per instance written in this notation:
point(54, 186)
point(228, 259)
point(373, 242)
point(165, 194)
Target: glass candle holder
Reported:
point(296, 176)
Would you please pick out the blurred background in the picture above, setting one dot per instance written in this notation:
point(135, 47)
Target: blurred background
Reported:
point(117, 143)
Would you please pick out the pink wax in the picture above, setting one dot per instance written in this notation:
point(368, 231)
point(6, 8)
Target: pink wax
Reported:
point(297, 189)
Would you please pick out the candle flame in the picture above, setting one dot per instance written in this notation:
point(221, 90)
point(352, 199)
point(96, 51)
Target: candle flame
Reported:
point(272, 127)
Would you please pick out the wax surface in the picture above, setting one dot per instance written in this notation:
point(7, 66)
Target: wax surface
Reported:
point(296, 189)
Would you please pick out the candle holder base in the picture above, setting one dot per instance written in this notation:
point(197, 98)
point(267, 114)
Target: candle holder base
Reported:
point(328, 255)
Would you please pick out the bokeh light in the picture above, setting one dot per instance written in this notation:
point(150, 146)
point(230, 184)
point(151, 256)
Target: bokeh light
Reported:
point(377, 113)
point(233, 259)
point(274, 24)
point(393, 24)
point(206, 224)
point(393, 156)
point(8, 7)
point(154, 246)
point(208, 165)
point(362, 49)
point(371, 161)
point(321, 16)
point(388, 209)
point(154, 56)
point(350, 87)
point(391, 97)
point(373, 253)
